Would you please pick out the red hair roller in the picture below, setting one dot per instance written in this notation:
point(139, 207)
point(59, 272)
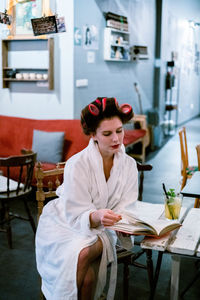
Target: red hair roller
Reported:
point(98, 101)
point(116, 103)
point(126, 108)
point(93, 109)
point(104, 103)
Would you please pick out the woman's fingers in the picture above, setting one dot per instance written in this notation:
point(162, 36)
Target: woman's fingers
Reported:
point(110, 218)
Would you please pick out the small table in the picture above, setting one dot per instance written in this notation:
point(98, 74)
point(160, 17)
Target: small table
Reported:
point(192, 188)
point(183, 242)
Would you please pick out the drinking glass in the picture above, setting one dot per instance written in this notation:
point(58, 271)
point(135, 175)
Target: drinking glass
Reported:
point(173, 207)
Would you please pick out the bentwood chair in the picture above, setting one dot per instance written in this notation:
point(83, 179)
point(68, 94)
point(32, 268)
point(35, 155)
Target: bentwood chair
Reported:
point(198, 155)
point(186, 170)
point(55, 178)
point(19, 189)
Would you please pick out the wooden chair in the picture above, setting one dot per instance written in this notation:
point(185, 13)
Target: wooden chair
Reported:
point(21, 189)
point(197, 200)
point(140, 124)
point(198, 155)
point(186, 170)
point(124, 256)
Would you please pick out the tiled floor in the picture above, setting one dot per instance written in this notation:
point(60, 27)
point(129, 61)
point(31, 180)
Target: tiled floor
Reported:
point(18, 275)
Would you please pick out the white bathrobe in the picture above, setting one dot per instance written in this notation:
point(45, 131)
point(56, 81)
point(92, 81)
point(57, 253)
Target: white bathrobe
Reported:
point(64, 226)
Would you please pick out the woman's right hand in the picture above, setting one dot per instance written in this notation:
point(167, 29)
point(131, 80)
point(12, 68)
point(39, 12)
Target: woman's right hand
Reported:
point(105, 217)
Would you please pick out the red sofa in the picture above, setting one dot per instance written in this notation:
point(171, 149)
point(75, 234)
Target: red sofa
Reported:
point(17, 133)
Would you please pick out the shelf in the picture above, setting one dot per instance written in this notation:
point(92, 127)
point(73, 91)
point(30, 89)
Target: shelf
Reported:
point(14, 79)
point(118, 59)
point(116, 45)
point(170, 107)
point(28, 69)
point(36, 52)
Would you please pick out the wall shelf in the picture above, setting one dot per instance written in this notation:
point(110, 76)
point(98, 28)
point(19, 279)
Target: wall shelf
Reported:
point(116, 45)
point(36, 52)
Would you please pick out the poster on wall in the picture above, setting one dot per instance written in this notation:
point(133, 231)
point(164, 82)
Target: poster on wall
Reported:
point(90, 37)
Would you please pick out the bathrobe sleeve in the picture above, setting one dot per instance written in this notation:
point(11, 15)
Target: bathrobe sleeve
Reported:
point(77, 199)
point(130, 189)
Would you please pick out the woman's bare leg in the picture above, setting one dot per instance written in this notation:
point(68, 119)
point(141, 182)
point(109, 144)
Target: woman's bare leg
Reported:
point(86, 275)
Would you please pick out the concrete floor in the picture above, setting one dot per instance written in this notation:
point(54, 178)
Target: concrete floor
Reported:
point(19, 278)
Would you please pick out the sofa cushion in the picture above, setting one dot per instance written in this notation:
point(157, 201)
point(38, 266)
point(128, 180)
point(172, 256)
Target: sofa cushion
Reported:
point(48, 145)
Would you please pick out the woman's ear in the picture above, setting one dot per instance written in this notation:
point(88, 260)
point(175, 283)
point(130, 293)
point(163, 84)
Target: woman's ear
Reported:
point(93, 136)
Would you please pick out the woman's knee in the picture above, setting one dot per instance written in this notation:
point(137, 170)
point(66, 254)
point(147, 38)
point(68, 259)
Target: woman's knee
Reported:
point(91, 253)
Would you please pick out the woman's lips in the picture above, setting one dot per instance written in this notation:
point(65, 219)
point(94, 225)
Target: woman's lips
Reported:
point(115, 146)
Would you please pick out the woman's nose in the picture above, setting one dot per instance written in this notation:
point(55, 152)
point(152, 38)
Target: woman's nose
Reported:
point(115, 137)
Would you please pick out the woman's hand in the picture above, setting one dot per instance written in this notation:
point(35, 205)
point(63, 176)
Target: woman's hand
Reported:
point(105, 217)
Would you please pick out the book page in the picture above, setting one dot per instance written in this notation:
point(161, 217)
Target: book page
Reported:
point(144, 210)
point(149, 215)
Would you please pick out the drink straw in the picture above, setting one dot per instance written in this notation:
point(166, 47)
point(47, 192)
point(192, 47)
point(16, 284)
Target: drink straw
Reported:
point(165, 190)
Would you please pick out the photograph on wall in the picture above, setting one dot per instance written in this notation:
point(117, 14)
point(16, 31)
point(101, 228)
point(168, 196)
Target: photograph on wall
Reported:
point(45, 25)
point(60, 22)
point(5, 19)
point(23, 13)
point(90, 37)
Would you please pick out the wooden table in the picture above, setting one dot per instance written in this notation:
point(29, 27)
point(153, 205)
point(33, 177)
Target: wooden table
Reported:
point(183, 242)
point(192, 188)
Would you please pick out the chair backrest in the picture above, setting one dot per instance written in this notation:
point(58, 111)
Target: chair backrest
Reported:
point(55, 178)
point(22, 166)
point(184, 150)
point(198, 155)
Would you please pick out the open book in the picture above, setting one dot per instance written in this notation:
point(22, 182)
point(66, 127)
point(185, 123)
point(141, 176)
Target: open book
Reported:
point(145, 219)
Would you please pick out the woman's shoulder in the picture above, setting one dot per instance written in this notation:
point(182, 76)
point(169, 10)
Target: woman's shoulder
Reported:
point(78, 159)
point(130, 161)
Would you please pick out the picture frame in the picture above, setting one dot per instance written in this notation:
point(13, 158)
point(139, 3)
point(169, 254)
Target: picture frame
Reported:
point(22, 13)
point(45, 25)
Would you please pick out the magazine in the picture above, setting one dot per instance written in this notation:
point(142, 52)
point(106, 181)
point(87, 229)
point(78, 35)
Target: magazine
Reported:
point(145, 219)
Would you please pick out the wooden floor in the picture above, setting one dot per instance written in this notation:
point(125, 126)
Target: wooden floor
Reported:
point(19, 278)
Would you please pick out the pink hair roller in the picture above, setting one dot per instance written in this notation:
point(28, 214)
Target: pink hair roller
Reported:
point(93, 109)
point(126, 108)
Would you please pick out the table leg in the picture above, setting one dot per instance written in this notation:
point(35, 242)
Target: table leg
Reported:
point(156, 275)
point(175, 274)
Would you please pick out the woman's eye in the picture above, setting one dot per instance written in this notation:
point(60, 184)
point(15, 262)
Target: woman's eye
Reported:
point(119, 131)
point(106, 134)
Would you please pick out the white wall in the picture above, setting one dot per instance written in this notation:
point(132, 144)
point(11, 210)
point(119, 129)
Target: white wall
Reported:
point(58, 104)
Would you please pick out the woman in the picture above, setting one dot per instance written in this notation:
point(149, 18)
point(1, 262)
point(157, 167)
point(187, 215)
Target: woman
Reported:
point(73, 247)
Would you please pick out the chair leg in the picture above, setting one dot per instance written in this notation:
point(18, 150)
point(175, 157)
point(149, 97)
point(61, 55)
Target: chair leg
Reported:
point(184, 180)
point(6, 218)
point(196, 204)
point(30, 218)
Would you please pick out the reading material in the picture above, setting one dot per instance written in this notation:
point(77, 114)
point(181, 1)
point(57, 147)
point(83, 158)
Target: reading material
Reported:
point(145, 219)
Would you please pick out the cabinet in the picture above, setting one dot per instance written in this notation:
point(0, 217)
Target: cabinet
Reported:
point(116, 45)
point(28, 60)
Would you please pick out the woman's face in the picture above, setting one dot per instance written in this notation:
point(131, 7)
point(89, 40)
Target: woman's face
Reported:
point(109, 136)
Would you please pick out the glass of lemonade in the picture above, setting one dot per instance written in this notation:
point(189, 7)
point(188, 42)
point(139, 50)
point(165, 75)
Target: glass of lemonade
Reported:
point(173, 206)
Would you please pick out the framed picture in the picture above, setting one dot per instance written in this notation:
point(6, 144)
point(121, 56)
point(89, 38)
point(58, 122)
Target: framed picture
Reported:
point(23, 12)
point(5, 18)
point(44, 25)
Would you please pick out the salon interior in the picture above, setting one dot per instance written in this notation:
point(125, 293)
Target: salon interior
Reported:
point(142, 52)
